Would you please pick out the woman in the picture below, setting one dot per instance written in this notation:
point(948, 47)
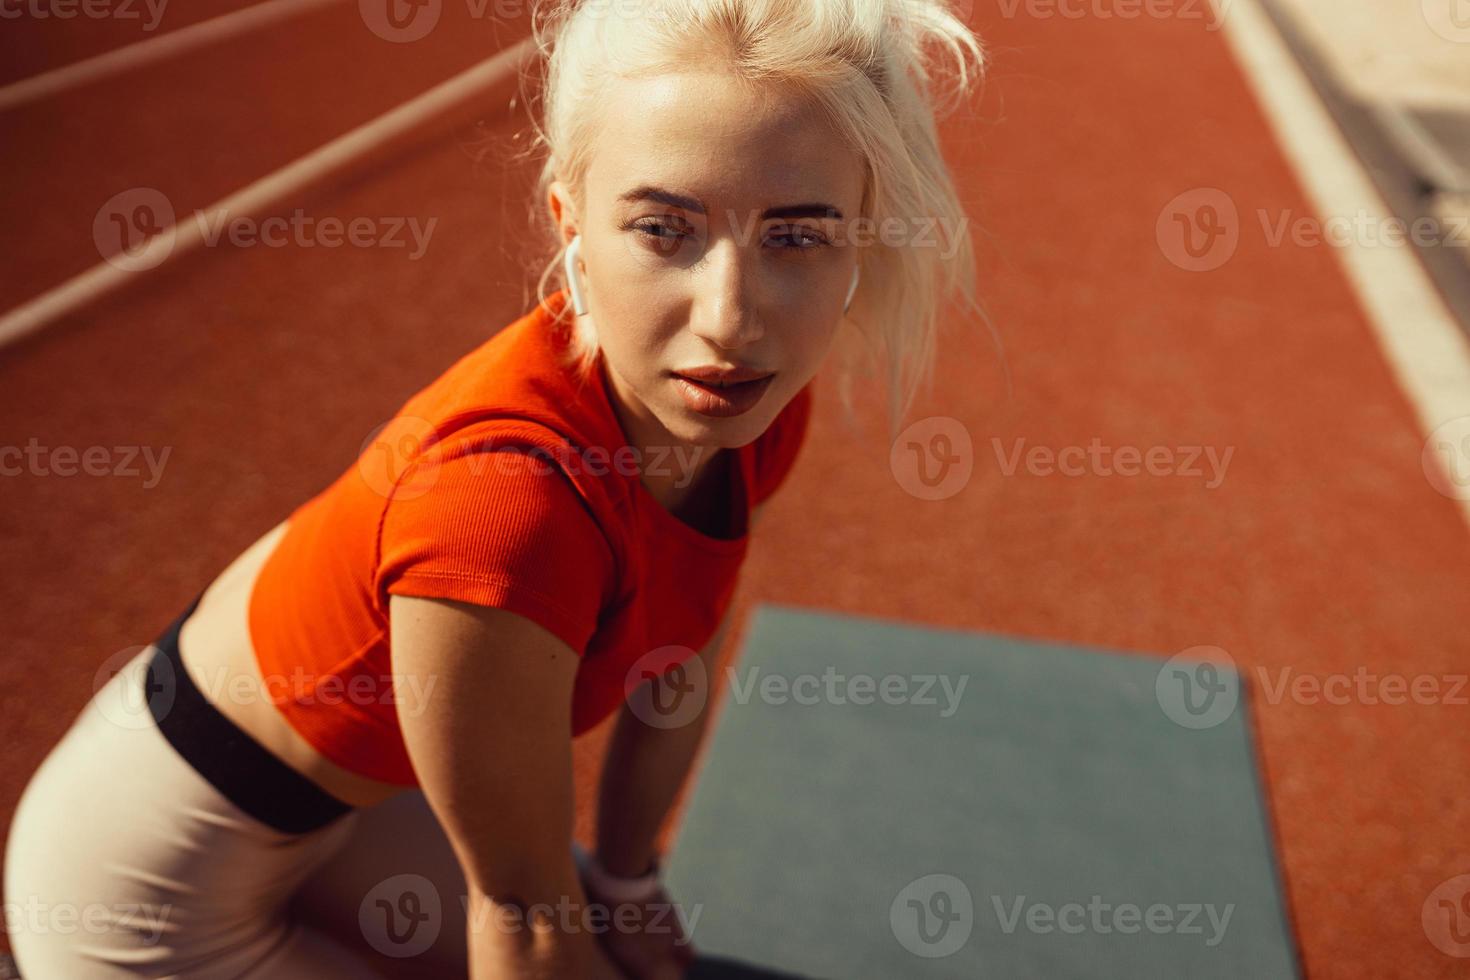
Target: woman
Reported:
point(351, 754)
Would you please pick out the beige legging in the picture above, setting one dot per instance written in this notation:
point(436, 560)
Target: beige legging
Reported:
point(123, 861)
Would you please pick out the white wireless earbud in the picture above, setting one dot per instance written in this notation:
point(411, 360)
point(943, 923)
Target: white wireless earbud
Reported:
point(851, 289)
point(574, 281)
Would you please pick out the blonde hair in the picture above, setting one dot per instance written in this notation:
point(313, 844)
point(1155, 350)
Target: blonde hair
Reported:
point(866, 63)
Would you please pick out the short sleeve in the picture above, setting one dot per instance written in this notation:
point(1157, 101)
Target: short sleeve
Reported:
point(502, 528)
point(778, 447)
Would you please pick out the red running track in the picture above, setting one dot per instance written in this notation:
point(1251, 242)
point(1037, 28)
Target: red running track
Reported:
point(262, 370)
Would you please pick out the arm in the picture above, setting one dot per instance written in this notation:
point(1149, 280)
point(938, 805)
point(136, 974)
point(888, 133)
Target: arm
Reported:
point(643, 771)
point(645, 768)
point(499, 781)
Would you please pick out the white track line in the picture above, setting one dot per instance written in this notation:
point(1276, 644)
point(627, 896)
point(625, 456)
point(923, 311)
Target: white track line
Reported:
point(1424, 345)
point(186, 234)
point(157, 48)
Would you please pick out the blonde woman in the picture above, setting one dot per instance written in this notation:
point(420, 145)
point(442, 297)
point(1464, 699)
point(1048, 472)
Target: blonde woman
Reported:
point(351, 754)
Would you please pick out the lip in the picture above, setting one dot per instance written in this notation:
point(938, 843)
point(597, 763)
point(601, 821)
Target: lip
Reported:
point(708, 399)
point(714, 374)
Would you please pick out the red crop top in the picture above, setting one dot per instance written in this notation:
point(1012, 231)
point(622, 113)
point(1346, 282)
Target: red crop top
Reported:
point(506, 482)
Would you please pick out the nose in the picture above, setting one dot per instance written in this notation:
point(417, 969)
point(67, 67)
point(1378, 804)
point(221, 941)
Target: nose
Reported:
point(724, 312)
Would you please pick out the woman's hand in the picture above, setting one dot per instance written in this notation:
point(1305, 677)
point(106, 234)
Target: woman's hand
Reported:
point(645, 936)
point(650, 943)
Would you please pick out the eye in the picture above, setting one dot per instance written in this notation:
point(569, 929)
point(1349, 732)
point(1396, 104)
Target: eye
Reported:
point(807, 239)
point(654, 229)
point(665, 238)
point(661, 236)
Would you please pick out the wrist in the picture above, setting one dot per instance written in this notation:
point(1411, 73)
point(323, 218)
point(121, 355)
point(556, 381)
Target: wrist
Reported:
point(618, 888)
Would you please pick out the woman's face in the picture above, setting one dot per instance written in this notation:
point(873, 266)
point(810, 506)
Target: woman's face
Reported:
point(714, 237)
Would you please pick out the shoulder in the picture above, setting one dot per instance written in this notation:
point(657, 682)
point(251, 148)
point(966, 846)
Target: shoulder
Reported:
point(490, 477)
point(492, 520)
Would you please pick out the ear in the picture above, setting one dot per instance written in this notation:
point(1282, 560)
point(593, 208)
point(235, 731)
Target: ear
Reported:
point(559, 201)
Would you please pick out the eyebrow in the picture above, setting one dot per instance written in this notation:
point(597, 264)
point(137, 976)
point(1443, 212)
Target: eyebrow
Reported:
point(648, 192)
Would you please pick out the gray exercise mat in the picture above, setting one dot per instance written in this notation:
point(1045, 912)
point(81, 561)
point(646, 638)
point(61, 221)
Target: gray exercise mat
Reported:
point(1000, 808)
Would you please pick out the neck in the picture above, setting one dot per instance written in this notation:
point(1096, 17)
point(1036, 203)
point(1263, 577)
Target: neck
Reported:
point(669, 468)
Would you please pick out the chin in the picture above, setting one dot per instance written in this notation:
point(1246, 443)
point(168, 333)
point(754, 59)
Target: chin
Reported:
point(716, 433)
